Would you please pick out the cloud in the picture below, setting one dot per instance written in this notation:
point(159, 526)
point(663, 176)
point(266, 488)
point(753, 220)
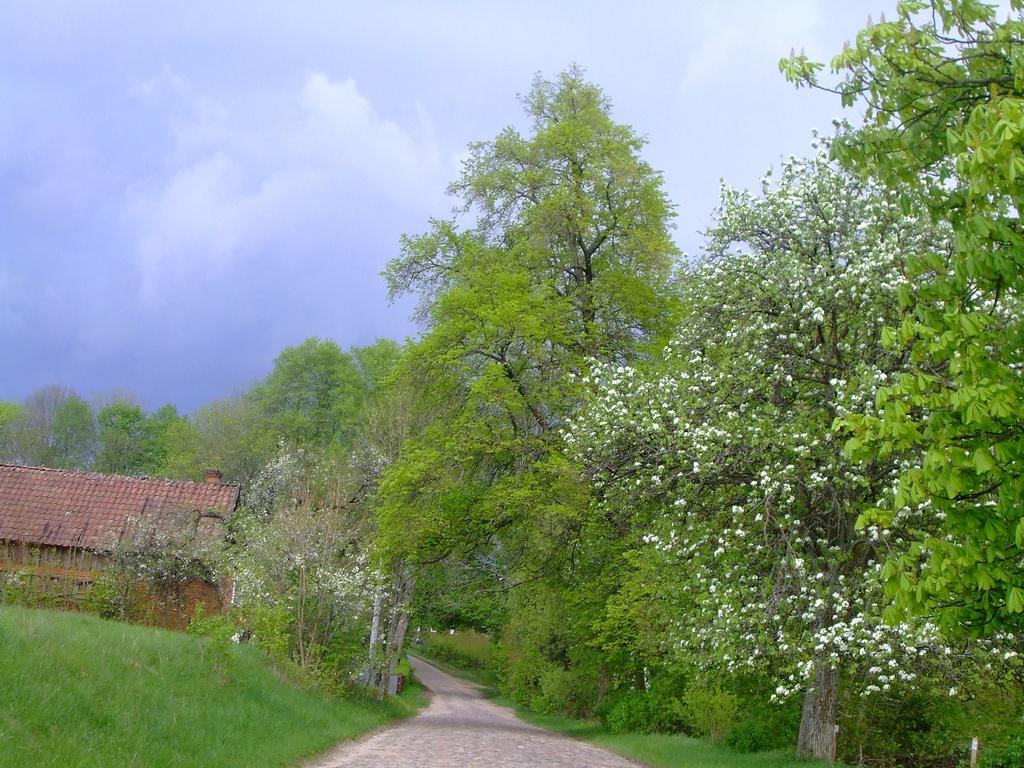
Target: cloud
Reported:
point(240, 182)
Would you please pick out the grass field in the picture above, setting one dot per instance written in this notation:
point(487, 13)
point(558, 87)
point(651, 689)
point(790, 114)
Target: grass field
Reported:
point(79, 691)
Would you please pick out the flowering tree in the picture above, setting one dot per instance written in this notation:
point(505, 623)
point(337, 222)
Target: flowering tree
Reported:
point(301, 576)
point(724, 456)
point(943, 104)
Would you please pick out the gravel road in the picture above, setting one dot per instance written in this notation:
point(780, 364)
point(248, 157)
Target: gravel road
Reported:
point(461, 729)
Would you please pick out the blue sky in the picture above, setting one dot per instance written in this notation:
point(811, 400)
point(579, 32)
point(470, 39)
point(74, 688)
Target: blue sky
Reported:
point(186, 188)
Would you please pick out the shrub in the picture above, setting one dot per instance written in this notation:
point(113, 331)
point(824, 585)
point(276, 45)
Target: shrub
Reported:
point(631, 712)
point(218, 630)
point(568, 692)
point(466, 649)
point(712, 709)
point(760, 723)
point(1009, 754)
point(109, 597)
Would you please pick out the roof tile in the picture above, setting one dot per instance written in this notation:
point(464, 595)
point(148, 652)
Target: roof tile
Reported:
point(65, 508)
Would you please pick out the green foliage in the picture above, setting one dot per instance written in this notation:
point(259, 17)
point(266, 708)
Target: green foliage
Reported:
point(123, 439)
point(944, 115)
point(111, 596)
point(632, 712)
point(73, 435)
point(464, 649)
point(312, 395)
point(234, 438)
point(712, 708)
point(217, 630)
point(1009, 754)
point(11, 415)
point(86, 692)
point(269, 627)
point(569, 258)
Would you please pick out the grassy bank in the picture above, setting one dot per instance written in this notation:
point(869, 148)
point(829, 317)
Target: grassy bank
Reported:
point(79, 691)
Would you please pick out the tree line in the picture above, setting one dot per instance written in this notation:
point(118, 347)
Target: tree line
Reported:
point(314, 396)
point(757, 495)
point(787, 470)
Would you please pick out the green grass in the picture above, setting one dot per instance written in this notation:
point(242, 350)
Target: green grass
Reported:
point(658, 750)
point(663, 750)
point(485, 678)
point(466, 654)
point(78, 691)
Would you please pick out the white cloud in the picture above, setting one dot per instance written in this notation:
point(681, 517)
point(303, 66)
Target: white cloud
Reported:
point(239, 182)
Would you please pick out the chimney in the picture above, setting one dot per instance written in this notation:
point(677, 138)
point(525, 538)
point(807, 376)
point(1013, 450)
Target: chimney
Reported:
point(214, 475)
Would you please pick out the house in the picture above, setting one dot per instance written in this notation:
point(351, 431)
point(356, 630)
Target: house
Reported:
point(59, 530)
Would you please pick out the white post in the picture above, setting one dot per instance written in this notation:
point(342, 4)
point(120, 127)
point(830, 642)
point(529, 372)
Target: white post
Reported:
point(974, 752)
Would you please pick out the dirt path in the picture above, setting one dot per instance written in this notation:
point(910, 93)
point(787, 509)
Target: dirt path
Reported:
point(461, 729)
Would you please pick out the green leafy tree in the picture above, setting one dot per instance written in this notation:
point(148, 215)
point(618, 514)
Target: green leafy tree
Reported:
point(33, 431)
point(182, 451)
point(123, 436)
point(234, 438)
point(313, 394)
point(943, 93)
point(376, 362)
point(12, 416)
point(568, 261)
point(73, 434)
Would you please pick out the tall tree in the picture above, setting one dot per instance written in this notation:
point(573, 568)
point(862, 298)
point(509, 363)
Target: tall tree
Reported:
point(723, 460)
point(36, 426)
point(12, 416)
point(313, 393)
point(234, 438)
point(73, 434)
point(943, 94)
point(568, 261)
point(123, 435)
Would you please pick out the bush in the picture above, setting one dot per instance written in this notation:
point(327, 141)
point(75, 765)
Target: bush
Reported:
point(1007, 755)
point(218, 630)
point(467, 649)
point(711, 708)
point(761, 724)
point(109, 597)
point(631, 712)
point(568, 692)
point(752, 734)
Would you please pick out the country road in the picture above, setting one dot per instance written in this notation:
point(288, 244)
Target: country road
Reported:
point(462, 729)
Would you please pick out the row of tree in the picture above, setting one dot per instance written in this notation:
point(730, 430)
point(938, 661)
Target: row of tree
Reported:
point(789, 469)
point(314, 397)
point(674, 490)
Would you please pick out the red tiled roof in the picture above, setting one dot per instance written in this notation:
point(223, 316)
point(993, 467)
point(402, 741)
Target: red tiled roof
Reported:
point(63, 508)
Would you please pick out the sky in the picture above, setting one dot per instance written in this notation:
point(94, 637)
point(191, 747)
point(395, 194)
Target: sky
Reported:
point(187, 188)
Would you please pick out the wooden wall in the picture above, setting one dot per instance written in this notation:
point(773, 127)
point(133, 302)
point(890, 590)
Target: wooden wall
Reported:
point(61, 577)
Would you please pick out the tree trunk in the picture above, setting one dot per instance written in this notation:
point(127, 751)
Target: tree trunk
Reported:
point(371, 659)
point(818, 723)
point(398, 622)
